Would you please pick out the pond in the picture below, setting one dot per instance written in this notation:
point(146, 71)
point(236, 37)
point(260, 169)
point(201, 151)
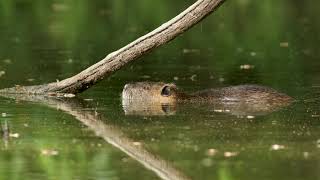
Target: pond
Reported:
point(271, 43)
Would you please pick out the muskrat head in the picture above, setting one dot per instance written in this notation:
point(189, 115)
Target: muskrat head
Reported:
point(149, 98)
point(150, 91)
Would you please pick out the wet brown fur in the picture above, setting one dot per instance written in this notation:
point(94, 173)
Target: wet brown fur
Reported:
point(151, 91)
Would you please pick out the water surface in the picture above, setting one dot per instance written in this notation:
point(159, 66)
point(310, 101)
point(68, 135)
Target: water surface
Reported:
point(91, 137)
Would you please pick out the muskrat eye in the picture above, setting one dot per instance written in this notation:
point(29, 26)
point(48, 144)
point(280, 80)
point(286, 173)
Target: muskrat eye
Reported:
point(166, 91)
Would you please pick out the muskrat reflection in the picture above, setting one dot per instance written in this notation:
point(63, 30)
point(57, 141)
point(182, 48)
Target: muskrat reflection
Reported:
point(158, 98)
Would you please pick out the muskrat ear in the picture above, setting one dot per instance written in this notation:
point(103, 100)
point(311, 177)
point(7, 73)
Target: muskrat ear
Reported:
point(166, 91)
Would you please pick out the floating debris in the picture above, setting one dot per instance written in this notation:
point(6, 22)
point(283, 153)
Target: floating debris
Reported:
point(14, 135)
point(221, 110)
point(4, 114)
point(230, 154)
point(49, 152)
point(193, 77)
point(250, 117)
point(246, 66)
point(318, 143)
point(253, 54)
point(196, 148)
point(218, 110)
point(2, 73)
point(176, 78)
point(146, 77)
point(221, 79)
point(7, 61)
point(30, 80)
point(211, 152)
point(70, 61)
point(277, 147)
point(284, 44)
point(185, 51)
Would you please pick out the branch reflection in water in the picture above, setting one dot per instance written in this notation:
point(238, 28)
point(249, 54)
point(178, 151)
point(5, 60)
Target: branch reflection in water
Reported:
point(110, 133)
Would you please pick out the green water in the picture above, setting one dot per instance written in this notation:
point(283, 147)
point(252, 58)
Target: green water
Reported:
point(91, 137)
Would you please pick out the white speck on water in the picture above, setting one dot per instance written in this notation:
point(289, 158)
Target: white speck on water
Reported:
point(7, 61)
point(211, 152)
point(146, 77)
point(218, 110)
point(193, 77)
point(4, 114)
point(196, 148)
point(318, 143)
point(276, 147)
point(176, 78)
point(185, 51)
point(253, 54)
point(306, 154)
point(49, 152)
point(230, 154)
point(284, 44)
point(250, 117)
point(246, 66)
point(70, 61)
point(2, 73)
point(14, 135)
point(221, 79)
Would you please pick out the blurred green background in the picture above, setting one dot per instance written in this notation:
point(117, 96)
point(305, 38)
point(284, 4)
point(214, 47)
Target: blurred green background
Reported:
point(42, 41)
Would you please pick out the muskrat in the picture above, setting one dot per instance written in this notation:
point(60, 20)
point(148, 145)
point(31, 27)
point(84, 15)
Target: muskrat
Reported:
point(143, 96)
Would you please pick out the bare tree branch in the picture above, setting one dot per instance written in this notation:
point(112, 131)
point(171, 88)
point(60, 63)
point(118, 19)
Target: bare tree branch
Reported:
point(117, 59)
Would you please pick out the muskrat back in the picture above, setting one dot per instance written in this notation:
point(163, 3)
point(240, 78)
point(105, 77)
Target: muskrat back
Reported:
point(245, 93)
